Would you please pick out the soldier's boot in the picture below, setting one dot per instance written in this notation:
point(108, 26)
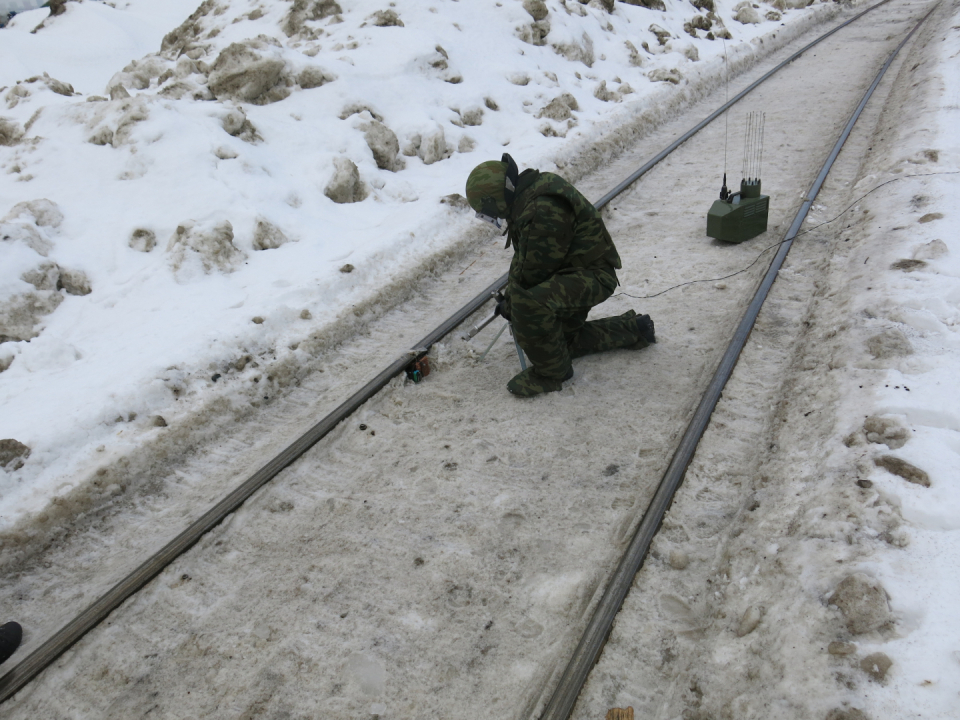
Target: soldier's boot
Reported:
point(10, 635)
point(530, 383)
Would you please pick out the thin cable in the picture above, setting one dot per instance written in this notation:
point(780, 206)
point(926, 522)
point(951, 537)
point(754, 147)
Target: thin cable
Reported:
point(776, 245)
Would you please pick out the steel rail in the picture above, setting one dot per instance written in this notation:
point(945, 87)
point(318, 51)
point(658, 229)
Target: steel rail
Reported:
point(28, 668)
point(591, 644)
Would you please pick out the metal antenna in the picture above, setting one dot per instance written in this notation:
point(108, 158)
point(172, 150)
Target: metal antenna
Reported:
point(745, 170)
point(753, 146)
point(724, 193)
point(763, 124)
point(746, 136)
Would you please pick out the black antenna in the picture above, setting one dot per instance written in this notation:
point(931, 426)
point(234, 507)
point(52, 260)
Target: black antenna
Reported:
point(724, 193)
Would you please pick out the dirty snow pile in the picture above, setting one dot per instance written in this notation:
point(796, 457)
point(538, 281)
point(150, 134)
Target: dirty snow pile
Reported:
point(185, 190)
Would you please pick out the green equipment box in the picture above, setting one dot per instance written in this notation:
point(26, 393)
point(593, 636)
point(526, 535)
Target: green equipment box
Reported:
point(740, 216)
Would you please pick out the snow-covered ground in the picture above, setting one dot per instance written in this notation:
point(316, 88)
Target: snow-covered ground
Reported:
point(162, 196)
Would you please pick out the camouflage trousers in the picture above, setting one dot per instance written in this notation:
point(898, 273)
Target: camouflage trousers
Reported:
point(550, 321)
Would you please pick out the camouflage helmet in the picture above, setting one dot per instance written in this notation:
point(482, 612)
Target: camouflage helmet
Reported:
point(485, 189)
point(491, 185)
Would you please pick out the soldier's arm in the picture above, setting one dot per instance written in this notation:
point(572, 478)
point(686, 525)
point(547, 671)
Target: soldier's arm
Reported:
point(543, 242)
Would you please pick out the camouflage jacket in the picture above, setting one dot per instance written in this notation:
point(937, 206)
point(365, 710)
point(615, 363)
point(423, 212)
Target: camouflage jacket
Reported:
point(554, 229)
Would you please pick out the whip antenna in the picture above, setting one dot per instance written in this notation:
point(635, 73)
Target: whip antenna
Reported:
point(763, 124)
point(724, 193)
point(753, 147)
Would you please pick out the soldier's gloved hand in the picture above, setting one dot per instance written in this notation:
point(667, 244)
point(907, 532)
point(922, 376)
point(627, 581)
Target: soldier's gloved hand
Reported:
point(501, 308)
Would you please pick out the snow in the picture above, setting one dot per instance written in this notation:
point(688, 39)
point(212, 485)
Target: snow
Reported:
point(923, 303)
point(17, 6)
point(65, 50)
point(159, 325)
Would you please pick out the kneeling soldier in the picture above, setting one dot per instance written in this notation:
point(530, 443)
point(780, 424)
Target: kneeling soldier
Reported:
point(564, 263)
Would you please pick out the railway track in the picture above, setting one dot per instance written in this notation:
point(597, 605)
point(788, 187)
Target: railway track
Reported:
point(592, 596)
point(591, 644)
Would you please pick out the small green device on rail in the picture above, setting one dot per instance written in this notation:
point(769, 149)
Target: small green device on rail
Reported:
point(739, 216)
